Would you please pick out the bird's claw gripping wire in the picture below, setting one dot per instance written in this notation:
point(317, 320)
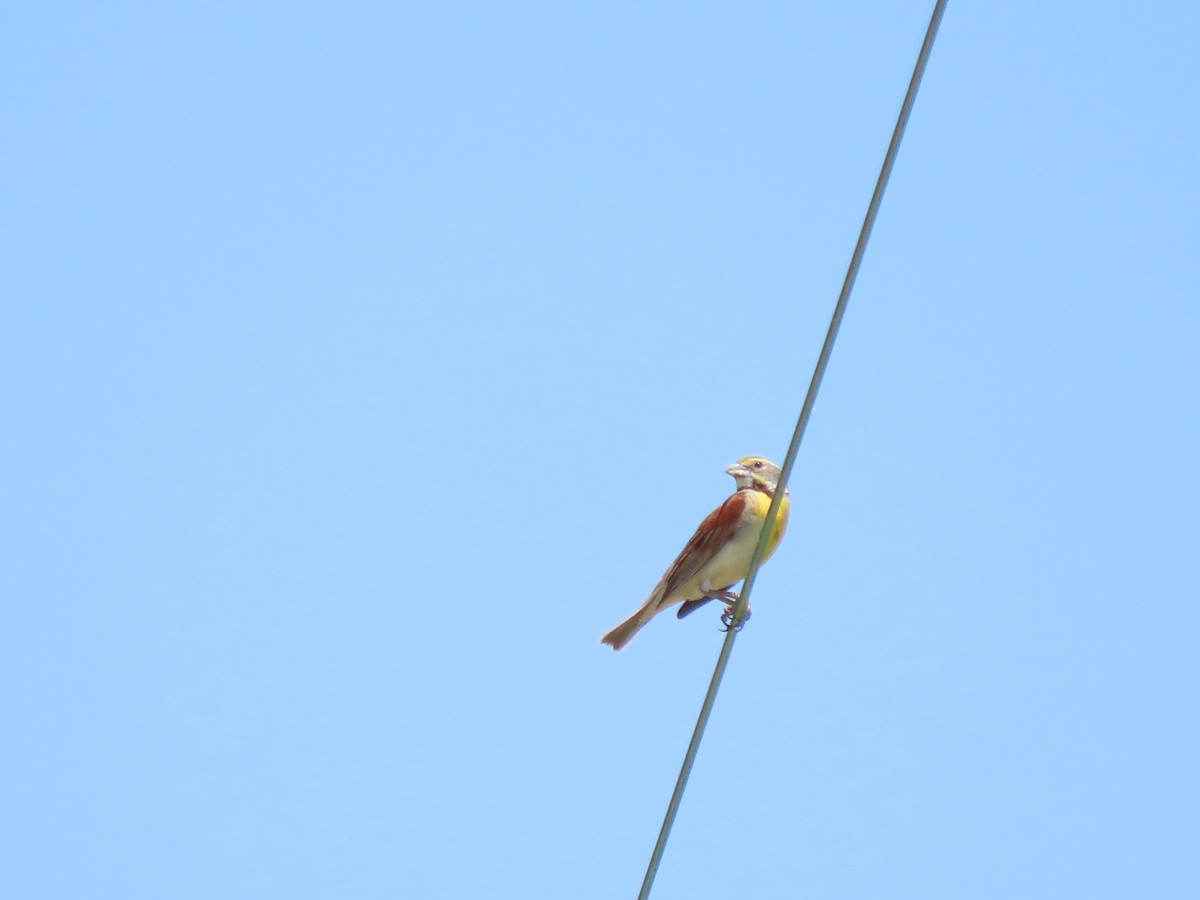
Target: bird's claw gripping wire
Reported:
point(727, 617)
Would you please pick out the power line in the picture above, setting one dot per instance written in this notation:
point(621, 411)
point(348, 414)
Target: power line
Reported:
point(835, 322)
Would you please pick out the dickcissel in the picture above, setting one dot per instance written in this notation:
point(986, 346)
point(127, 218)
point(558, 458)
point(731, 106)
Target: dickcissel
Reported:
point(718, 555)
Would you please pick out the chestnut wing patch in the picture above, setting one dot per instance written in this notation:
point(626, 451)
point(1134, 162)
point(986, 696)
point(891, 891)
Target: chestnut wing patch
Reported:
point(714, 532)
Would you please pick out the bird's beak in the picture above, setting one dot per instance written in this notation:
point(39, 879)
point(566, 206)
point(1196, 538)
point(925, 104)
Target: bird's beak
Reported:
point(736, 469)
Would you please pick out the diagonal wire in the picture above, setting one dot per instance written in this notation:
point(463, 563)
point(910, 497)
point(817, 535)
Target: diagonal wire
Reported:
point(739, 612)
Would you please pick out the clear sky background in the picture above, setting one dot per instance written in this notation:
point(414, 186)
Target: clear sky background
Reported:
point(362, 364)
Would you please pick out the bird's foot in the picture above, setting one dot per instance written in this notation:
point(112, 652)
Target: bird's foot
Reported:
point(727, 617)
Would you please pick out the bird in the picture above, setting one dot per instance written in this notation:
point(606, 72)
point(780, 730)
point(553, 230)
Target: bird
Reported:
point(718, 555)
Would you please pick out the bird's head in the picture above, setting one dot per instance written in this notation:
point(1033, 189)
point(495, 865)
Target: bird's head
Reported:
point(755, 472)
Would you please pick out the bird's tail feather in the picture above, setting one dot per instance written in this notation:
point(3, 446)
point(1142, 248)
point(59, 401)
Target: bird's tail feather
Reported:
point(623, 633)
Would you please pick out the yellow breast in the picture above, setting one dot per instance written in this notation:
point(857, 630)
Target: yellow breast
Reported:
point(757, 504)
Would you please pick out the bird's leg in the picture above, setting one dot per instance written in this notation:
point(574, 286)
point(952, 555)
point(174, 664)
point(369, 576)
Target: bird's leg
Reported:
point(730, 598)
point(723, 594)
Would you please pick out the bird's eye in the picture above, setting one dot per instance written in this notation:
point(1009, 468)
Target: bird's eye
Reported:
point(758, 464)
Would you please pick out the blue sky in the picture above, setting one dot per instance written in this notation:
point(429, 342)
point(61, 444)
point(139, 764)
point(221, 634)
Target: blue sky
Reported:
point(362, 365)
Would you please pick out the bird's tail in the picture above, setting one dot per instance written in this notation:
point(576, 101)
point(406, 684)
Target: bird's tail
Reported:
point(623, 633)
